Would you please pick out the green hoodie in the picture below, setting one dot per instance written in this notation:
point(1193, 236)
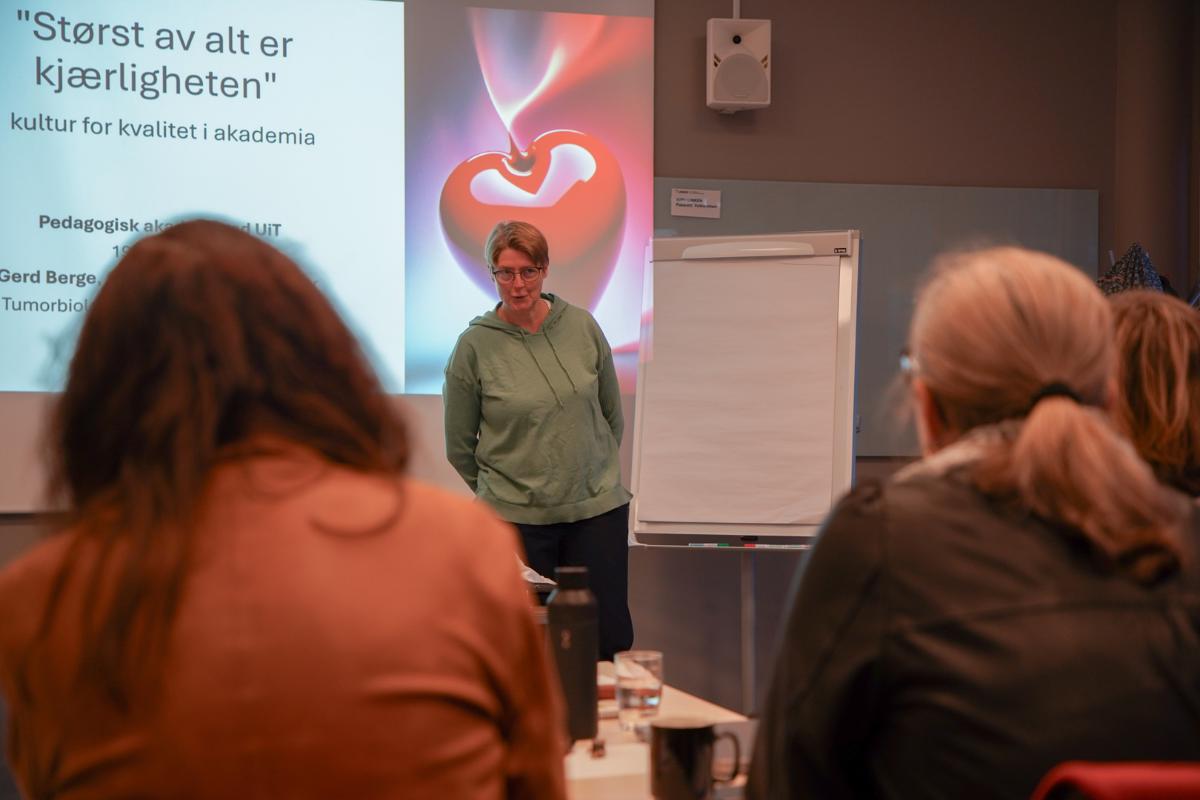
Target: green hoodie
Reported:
point(533, 420)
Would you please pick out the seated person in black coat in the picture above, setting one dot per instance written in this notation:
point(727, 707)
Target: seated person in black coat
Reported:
point(1026, 594)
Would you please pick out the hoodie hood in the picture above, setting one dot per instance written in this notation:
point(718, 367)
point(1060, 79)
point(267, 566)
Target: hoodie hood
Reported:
point(492, 321)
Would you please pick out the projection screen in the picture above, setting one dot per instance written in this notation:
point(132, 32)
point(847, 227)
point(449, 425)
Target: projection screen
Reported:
point(374, 141)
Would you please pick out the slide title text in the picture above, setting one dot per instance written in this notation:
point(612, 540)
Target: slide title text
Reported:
point(56, 75)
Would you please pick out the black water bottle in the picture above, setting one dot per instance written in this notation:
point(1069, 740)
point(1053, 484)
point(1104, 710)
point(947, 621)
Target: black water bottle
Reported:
point(571, 617)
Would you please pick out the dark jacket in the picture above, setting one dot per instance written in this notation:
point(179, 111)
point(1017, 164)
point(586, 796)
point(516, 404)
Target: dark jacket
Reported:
point(940, 644)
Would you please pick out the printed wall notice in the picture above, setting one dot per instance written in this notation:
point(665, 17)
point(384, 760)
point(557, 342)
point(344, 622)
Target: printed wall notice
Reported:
point(696, 203)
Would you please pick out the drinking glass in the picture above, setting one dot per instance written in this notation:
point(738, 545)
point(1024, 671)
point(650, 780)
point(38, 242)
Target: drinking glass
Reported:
point(639, 686)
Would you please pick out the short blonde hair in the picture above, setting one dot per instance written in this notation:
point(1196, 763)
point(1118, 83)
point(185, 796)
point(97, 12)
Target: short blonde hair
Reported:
point(1158, 383)
point(519, 236)
point(995, 328)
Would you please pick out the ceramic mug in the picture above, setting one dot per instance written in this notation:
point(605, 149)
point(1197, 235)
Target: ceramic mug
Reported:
point(681, 759)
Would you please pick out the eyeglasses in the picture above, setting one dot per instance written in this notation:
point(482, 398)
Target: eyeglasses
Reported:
point(527, 274)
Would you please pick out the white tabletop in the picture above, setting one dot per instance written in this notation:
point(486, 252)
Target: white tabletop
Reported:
point(623, 772)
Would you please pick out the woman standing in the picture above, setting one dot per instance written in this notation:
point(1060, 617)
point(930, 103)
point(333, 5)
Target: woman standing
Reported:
point(1026, 594)
point(533, 425)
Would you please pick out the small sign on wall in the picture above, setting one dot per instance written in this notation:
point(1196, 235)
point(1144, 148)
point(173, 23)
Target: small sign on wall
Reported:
point(696, 203)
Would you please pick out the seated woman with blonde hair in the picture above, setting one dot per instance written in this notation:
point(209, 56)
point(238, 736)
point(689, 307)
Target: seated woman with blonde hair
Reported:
point(1026, 594)
point(249, 599)
point(1158, 383)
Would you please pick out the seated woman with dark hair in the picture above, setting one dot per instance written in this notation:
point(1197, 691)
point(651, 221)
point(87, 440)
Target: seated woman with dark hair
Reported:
point(1025, 595)
point(249, 599)
point(1158, 383)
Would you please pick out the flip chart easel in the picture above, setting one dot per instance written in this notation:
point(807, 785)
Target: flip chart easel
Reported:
point(744, 427)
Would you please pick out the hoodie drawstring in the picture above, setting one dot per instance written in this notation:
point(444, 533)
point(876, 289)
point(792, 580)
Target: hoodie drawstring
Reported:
point(562, 366)
point(545, 377)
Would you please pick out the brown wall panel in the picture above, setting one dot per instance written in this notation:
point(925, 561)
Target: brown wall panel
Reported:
point(1153, 131)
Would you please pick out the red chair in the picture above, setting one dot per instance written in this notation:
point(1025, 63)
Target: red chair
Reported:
point(1131, 780)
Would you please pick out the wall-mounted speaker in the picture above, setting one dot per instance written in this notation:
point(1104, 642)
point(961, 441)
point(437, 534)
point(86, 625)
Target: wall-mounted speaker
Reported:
point(739, 64)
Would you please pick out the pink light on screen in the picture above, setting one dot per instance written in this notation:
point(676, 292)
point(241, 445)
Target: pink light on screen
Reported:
point(557, 169)
point(566, 183)
point(529, 63)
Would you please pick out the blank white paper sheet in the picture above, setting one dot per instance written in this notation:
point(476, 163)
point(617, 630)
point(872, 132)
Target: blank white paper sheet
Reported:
point(738, 422)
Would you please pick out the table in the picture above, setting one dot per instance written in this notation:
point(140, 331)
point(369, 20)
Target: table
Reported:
point(623, 773)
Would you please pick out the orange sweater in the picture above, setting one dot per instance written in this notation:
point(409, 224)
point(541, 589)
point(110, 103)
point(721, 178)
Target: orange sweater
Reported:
point(313, 655)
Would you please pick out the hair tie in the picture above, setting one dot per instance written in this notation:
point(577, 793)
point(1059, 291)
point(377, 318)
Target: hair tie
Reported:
point(1055, 389)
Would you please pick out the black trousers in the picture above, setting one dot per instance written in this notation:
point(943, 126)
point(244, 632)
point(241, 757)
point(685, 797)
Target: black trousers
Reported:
point(599, 543)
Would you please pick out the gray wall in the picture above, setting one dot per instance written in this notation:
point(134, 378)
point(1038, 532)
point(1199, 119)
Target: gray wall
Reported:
point(903, 228)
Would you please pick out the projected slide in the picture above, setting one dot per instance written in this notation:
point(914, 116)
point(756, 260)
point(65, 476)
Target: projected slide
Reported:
point(377, 142)
point(519, 114)
point(281, 116)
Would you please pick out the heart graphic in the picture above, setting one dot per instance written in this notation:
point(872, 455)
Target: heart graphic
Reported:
point(567, 184)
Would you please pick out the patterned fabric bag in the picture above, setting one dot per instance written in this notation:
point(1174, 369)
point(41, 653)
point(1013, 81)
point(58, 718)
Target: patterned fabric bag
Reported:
point(1132, 271)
